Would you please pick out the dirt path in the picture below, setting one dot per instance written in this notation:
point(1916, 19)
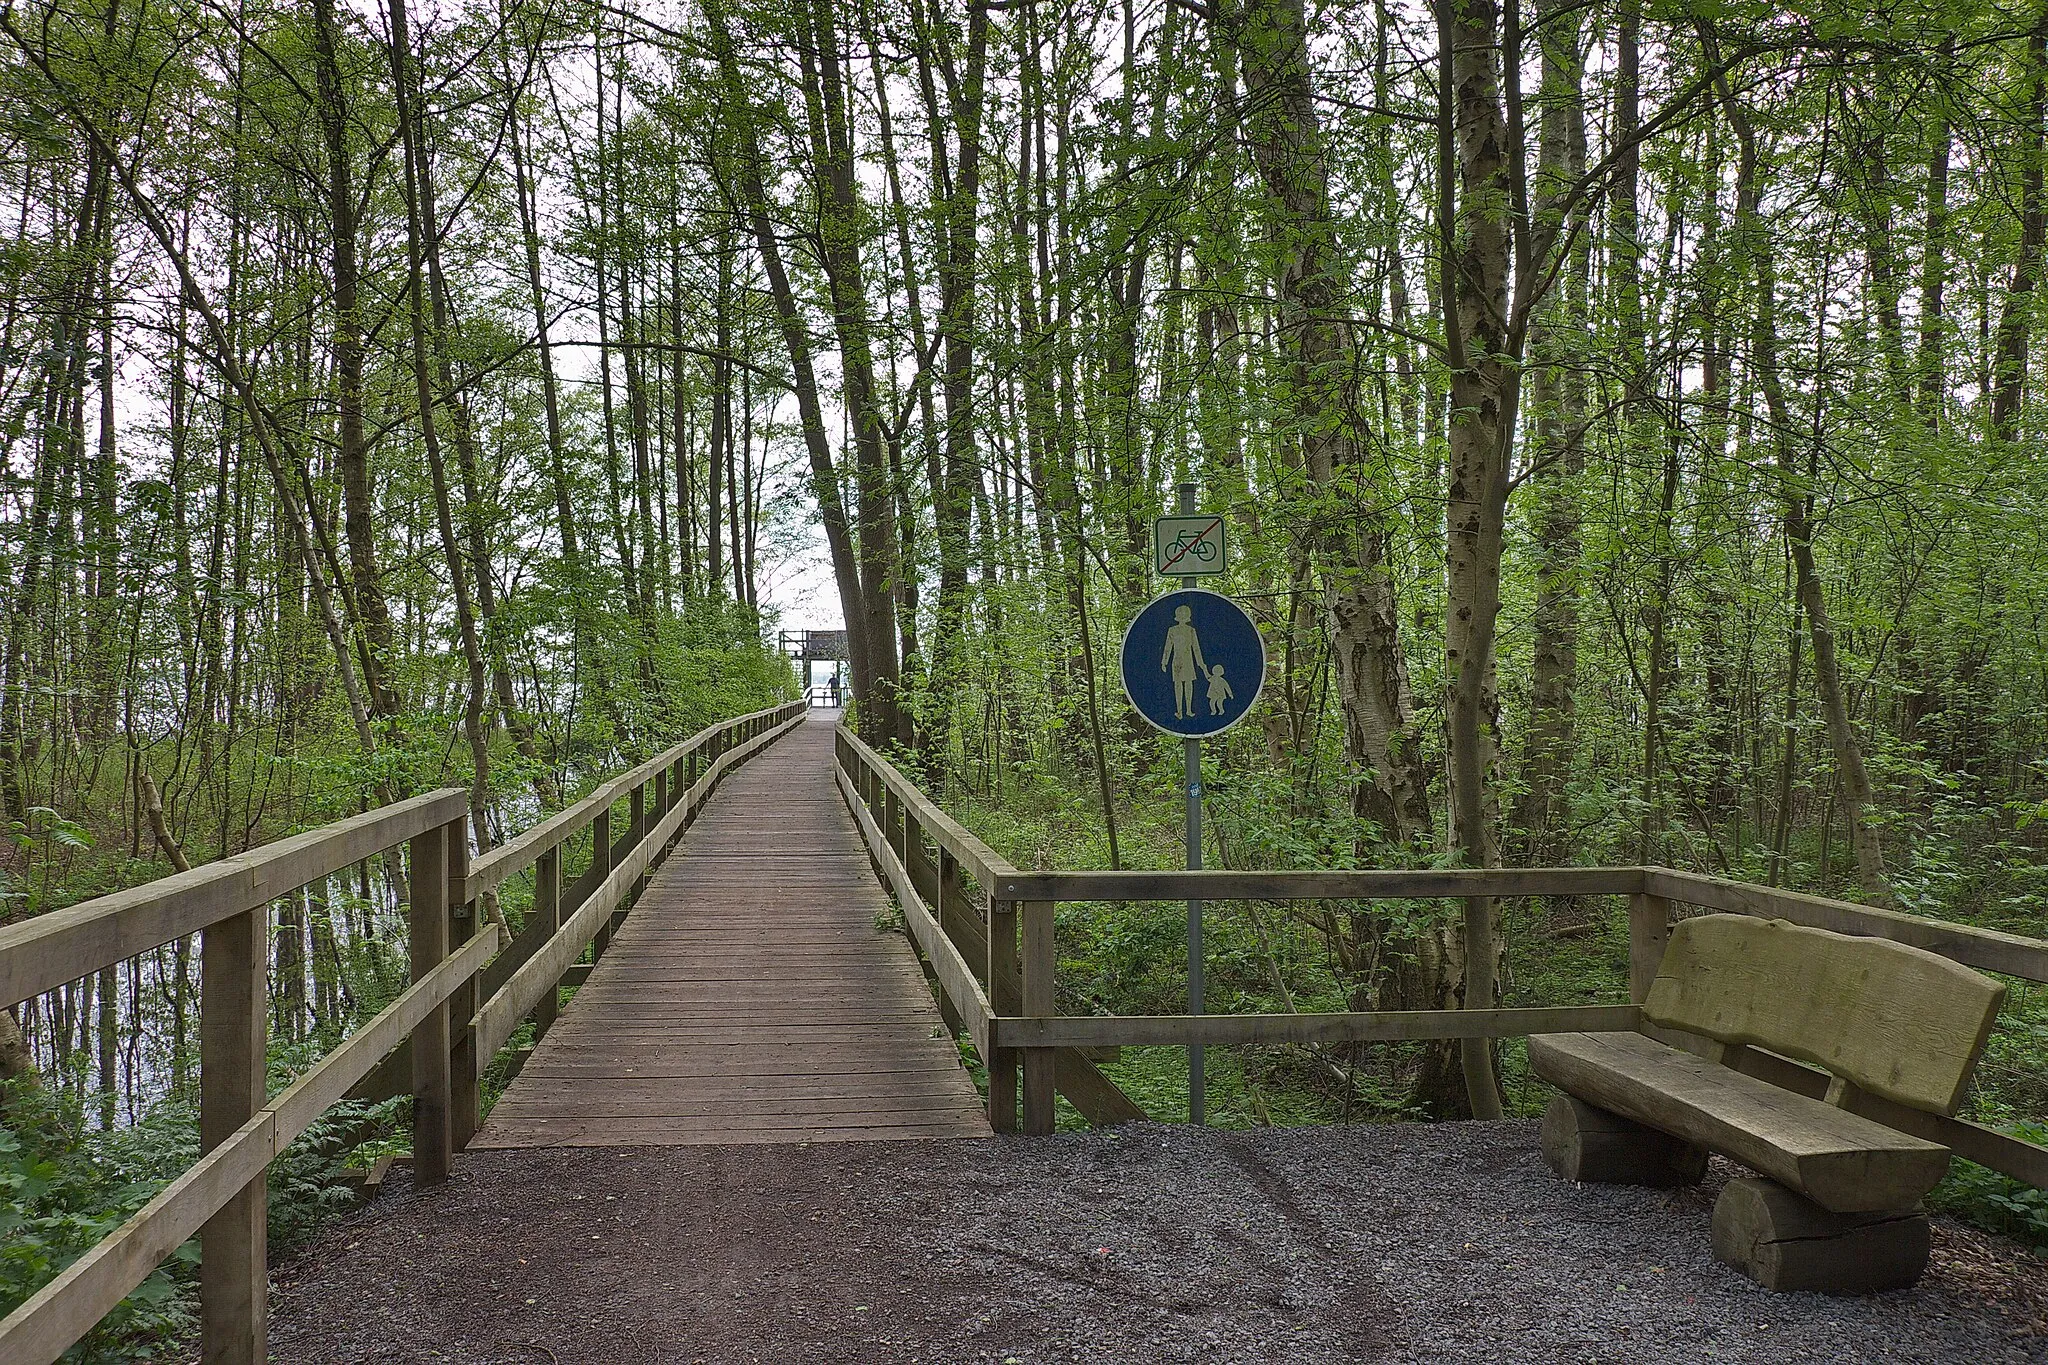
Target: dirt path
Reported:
point(1445, 1243)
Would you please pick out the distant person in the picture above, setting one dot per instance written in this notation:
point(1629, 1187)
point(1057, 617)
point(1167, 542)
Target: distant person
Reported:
point(835, 689)
point(1183, 654)
point(1219, 690)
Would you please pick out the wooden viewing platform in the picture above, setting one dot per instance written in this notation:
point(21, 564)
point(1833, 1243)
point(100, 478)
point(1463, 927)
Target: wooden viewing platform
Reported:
point(750, 995)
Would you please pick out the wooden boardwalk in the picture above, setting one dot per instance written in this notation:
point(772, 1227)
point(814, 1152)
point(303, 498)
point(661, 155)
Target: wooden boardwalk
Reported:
point(749, 996)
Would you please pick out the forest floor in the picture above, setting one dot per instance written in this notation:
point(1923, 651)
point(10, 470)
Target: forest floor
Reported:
point(1142, 1245)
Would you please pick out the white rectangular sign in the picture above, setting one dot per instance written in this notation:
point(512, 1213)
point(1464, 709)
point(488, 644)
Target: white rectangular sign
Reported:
point(1188, 547)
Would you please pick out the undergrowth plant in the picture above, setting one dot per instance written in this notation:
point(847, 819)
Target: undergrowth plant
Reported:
point(63, 1189)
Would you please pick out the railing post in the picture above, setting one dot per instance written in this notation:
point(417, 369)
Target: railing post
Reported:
point(951, 908)
point(547, 908)
point(923, 875)
point(637, 806)
point(1649, 931)
point(1039, 965)
point(661, 801)
point(465, 1110)
point(601, 868)
point(950, 889)
point(465, 1067)
point(428, 924)
point(233, 1278)
point(892, 825)
point(1004, 1000)
point(575, 891)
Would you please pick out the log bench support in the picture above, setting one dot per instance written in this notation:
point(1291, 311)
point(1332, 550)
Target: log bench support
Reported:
point(1587, 1144)
point(1785, 1242)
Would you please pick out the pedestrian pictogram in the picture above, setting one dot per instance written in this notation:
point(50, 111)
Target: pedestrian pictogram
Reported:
point(1193, 663)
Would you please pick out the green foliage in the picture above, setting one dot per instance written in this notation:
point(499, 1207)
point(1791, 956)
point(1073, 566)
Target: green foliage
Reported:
point(58, 1196)
point(1977, 1194)
point(43, 844)
point(62, 1191)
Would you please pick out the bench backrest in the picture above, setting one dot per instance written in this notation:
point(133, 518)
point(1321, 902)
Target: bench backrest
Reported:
point(1894, 1020)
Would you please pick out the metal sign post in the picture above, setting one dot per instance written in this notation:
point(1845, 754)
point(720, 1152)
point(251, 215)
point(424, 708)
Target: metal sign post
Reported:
point(1192, 760)
point(1193, 663)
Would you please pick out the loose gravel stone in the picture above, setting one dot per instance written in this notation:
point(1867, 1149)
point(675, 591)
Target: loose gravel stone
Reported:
point(1138, 1246)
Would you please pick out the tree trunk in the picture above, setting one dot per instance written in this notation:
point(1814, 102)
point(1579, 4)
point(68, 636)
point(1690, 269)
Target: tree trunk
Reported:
point(1934, 259)
point(1481, 430)
point(352, 447)
point(1382, 739)
point(839, 234)
point(2015, 322)
point(417, 229)
point(752, 196)
point(1557, 401)
point(1794, 493)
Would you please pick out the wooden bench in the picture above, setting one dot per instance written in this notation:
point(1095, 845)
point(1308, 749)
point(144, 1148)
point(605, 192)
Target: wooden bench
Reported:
point(1838, 1207)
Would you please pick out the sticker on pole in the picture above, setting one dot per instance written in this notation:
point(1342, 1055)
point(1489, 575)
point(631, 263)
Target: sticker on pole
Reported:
point(1193, 663)
point(1187, 547)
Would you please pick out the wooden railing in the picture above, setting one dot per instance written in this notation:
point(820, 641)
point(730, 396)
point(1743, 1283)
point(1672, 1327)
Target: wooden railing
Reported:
point(978, 938)
point(970, 940)
point(454, 963)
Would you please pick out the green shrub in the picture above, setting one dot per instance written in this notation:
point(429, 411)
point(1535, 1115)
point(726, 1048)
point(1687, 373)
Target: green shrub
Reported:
point(58, 1198)
point(1977, 1194)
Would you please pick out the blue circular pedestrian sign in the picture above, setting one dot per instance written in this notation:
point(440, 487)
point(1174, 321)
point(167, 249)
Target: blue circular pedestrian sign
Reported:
point(1193, 663)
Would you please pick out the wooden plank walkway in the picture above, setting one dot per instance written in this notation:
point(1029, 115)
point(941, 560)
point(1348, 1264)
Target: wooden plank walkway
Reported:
point(749, 996)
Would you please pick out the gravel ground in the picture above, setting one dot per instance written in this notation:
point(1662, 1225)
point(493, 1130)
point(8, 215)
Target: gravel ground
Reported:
point(1146, 1245)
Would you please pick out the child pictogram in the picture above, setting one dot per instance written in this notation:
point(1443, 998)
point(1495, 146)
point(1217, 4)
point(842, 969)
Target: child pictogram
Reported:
point(1219, 690)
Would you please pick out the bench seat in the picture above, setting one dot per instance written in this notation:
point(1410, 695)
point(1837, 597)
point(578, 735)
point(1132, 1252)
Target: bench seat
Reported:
point(1841, 1161)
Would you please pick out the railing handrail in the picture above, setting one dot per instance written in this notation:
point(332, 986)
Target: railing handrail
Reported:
point(1427, 883)
point(517, 854)
point(1990, 950)
point(1986, 949)
point(47, 1323)
point(40, 954)
point(949, 964)
point(987, 865)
